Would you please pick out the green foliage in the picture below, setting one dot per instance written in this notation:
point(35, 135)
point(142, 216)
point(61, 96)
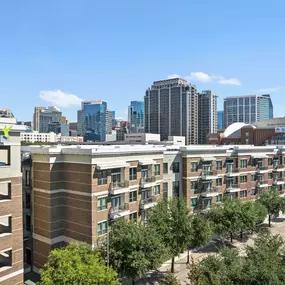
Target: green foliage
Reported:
point(134, 249)
point(77, 265)
point(169, 279)
point(172, 221)
point(262, 264)
point(273, 203)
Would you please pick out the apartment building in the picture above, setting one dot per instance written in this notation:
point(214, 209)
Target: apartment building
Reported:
point(78, 191)
point(171, 109)
point(238, 172)
point(11, 233)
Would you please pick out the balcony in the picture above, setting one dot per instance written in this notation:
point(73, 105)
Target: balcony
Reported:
point(232, 188)
point(117, 188)
point(278, 167)
point(232, 172)
point(202, 207)
point(148, 182)
point(148, 203)
point(278, 181)
point(210, 192)
point(262, 169)
point(209, 174)
point(261, 184)
point(119, 211)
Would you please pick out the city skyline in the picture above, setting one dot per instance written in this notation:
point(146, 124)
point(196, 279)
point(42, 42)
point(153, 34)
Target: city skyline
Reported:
point(82, 55)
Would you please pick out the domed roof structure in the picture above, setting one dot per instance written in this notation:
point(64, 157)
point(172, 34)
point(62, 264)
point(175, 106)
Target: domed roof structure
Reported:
point(234, 128)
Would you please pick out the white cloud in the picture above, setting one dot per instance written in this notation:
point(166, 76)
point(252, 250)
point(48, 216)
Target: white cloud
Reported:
point(207, 78)
point(60, 99)
point(269, 90)
point(171, 76)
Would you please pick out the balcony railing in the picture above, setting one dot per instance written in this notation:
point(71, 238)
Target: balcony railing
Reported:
point(278, 179)
point(278, 166)
point(261, 168)
point(148, 200)
point(232, 186)
point(210, 190)
point(119, 185)
point(118, 209)
point(206, 173)
point(148, 179)
point(232, 170)
point(202, 207)
point(262, 182)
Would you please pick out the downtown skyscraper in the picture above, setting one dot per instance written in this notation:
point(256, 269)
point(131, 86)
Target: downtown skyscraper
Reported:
point(171, 109)
point(136, 116)
point(247, 109)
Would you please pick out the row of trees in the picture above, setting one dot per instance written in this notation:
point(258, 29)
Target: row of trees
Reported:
point(170, 230)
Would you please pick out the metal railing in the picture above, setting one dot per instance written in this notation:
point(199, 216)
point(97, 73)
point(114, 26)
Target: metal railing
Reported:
point(120, 208)
point(210, 190)
point(232, 170)
point(148, 200)
point(118, 185)
point(262, 182)
point(148, 179)
point(261, 168)
point(232, 186)
point(209, 173)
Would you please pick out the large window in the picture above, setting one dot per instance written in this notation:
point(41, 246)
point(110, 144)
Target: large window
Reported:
point(219, 165)
point(165, 190)
point(194, 185)
point(194, 166)
point(243, 194)
point(133, 196)
point(219, 181)
point(102, 204)
point(102, 177)
point(165, 167)
point(157, 190)
point(243, 178)
point(102, 228)
point(175, 188)
point(156, 169)
point(243, 163)
point(133, 173)
point(175, 167)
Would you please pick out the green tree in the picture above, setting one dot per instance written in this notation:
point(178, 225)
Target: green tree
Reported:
point(260, 264)
point(172, 221)
point(134, 249)
point(201, 233)
point(77, 265)
point(169, 279)
point(273, 203)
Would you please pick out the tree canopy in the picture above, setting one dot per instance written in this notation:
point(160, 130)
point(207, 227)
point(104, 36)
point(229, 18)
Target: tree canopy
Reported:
point(77, 264)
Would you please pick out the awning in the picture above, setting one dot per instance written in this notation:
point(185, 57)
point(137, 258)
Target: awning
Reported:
point(208, 158)
point(103, 166)
point(259, 155)
point(146, 162)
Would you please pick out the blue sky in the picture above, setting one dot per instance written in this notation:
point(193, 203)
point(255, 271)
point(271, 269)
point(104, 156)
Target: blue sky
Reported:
point(66, 50)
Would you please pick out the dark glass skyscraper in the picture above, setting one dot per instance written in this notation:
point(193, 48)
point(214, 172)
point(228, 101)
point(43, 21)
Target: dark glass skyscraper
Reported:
point(220, 119)
point(136, 116)
point(94, 120)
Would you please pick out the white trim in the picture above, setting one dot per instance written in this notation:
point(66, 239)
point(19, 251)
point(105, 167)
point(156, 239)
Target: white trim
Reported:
point(3, 250)
point(71, 192)
point(13, 274)
point(54, 240)
point(8, 181)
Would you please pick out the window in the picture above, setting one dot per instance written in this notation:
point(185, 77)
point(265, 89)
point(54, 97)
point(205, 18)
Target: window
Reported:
point(253, 177)
point(243, 194)
point(102, 228)
point(219, 198)
point(175, 167)
point(28, 222)
point(194, 185)
point(175, 188)
point(28, 200)
point(28, 178)
point(133, 196)
point(4, 155)
point(102, 204)
point(133, 173)
point(194, 166)
point(219, 181)
point(243, 163)
point(102, 177)
point(28, 256)
point(165, 167)
point(219, 165)
point(134, 217)
point(270, 161)
point(165, 190)
point(193, 202)
point(156, 169)
point(157, 190)
point(243, 178)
